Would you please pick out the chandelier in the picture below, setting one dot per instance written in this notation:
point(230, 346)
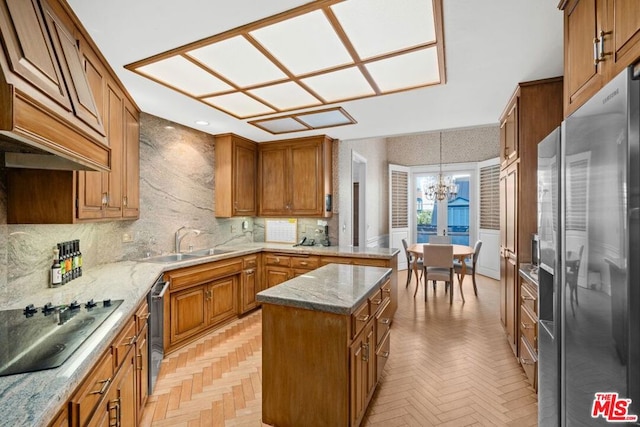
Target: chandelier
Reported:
point(444, 187)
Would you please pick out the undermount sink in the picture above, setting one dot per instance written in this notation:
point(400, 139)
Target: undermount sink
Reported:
point(171, 258)
point(208, 252)
point(186, 256)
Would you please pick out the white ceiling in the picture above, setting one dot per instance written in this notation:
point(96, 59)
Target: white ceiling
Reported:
point(490, 46)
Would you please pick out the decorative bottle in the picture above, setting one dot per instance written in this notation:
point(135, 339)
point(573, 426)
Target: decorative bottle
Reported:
point(56, 276)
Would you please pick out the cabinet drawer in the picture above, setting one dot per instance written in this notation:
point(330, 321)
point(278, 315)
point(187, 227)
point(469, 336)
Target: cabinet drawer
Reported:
point(529, 327)
point(383, 321)
point(529, 361)
point(250, 262)
point(91, 391)
point(359, 319)
point(123, 343)
point(141, 316)
point(371, 262)
point(382, 353)
point(307, 263)
point(376, 301)
point(529, 297)
point(200, 274)
point(280, 260)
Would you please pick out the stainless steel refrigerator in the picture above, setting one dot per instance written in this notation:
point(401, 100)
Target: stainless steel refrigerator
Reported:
point(588, 222)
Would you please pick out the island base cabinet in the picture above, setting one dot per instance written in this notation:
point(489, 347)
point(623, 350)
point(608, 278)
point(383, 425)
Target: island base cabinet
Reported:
point(363, 373)
point(305, 367)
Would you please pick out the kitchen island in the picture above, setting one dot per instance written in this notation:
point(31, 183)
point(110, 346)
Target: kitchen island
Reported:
point(325, 338)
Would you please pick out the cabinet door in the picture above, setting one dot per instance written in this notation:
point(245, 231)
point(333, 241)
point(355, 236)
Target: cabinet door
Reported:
point(112, 184)
point(84, 106)
point(245, 171)
point(305, 177)
point(221, 300)
point(30, 52)
point(131, 184)
point(509, 135)
point(274, 198)
point(142, 370)
point(624, 22)
point(362, 373)
point(583, 73)
point(249, 286)
point(188, 315)
point(276, 275)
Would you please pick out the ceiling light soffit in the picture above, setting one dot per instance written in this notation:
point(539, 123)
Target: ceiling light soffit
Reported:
point(320, 53)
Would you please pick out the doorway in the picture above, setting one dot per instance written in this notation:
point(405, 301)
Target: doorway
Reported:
point(358, 196)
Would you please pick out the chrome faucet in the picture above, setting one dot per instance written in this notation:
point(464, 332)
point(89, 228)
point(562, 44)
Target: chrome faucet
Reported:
point(179, 237)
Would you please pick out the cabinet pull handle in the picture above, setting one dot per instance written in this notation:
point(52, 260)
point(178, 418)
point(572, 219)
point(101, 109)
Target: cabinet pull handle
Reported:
point(124, 201)
point(105, 385)
point(145, 316)
point(526, 325)
point(528, 298)
point(385, 355)
point(527, 361)
point(132, 341)
point(364, 318)
point(114, 406)
point(139, 364)
point(365, 352)
point(386, 290)
point(385, 321)
point(376, 301)
point(303, 263)
point(596, 59)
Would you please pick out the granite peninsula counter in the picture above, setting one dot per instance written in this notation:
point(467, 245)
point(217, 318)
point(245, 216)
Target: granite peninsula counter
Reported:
point(34, 398)
point(325, 341)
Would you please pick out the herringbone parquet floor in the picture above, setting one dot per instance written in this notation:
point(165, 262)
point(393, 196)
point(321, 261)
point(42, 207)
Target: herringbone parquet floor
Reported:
point(450, 365)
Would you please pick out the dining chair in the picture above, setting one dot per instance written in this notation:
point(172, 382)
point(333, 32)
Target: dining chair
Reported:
point(410, 263)
point(440, 240)
point(471, 266)
point(438, 266)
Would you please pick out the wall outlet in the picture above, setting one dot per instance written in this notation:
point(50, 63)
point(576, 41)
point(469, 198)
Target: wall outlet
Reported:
point(234, 228)
point(127, 238)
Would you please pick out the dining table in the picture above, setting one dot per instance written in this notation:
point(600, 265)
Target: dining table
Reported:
point(460, 252)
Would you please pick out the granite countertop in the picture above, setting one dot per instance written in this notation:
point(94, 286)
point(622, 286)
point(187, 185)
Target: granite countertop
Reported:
point(34, 398)
point(334, 288)
point(530, 273)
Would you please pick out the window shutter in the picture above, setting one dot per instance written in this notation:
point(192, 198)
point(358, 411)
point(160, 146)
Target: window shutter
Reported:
point(399, 213)
point(490, 197)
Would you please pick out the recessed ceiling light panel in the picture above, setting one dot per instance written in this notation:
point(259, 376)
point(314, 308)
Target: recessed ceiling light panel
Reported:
point(325, 119)
point(238, 61)
point(376, 27)
point(340, 85)
point(304, 44)
point(283, 125)
point(182, 74)
point(411, 70)
point(239, 105)
point(286, 96)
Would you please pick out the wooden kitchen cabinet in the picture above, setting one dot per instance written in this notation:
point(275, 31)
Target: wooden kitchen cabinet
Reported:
point(46, 98)
point(70, 196)
point(601, 38)
point(363, 373)
point(536, 110)
point(528, 329)
point(249, 283)
point(222, 300)
point(279, 268)
point(508, 136)
point(295, 177)
point(236, 172)
point(200, 298)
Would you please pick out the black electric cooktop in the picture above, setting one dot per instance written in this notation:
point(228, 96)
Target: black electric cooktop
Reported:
point(38, 338)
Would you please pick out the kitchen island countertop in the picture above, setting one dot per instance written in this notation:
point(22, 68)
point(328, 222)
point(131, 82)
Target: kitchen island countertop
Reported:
point(334, 288)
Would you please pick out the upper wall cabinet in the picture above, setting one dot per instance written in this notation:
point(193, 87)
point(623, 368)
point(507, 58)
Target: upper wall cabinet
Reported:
point(295, 177)
point(236, 168)
point(45, 98)
point(601, 38)
point(61, 196)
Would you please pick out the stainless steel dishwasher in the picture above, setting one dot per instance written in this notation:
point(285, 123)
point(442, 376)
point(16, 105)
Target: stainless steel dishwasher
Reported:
point(155, 299)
